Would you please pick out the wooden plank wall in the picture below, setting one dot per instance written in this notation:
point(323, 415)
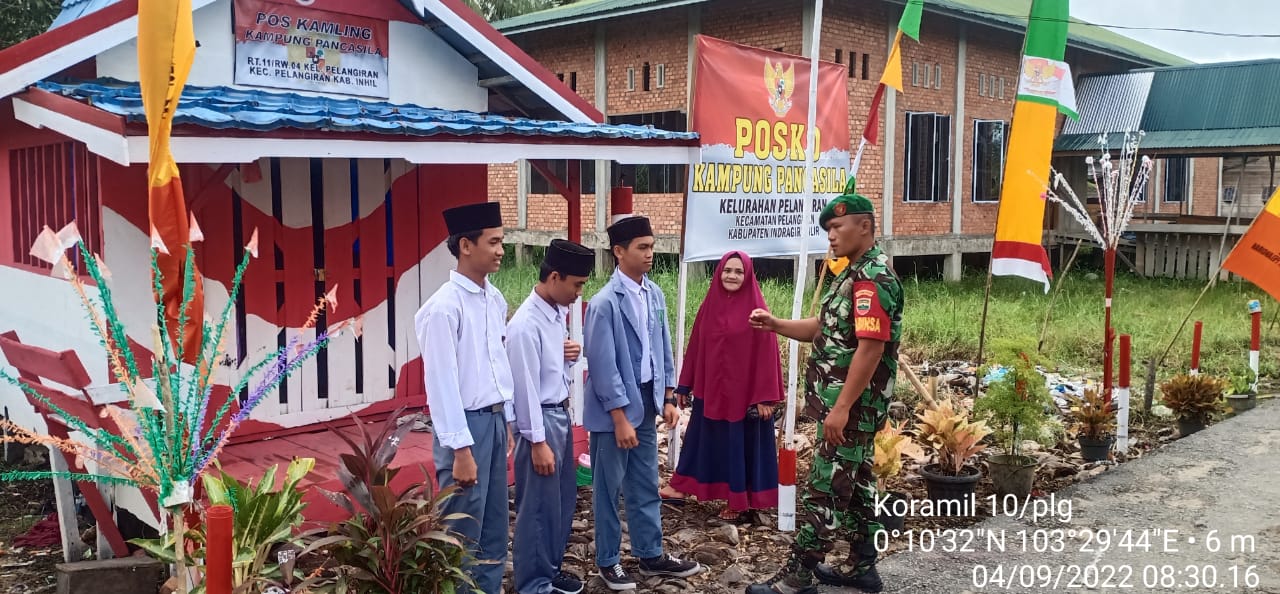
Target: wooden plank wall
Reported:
point(1183, 255)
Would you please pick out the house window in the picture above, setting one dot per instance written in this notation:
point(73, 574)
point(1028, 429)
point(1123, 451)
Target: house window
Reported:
point(661, 75)
point(631, 79)
point(40, 199)
point(573, 81)
point(928, 157)
point(840, 56)
point(988, 159)
point(560, 167)
point(1176, 176)
point(644, 76)
point(864, 66)
point(937, 76)
point(982, 85)
point(653, 179)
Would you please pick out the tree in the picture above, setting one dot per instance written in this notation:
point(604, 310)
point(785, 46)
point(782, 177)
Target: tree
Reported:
point(497, 10)
point(23, 19)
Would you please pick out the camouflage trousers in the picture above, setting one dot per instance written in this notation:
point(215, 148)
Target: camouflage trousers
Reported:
point(838, 502)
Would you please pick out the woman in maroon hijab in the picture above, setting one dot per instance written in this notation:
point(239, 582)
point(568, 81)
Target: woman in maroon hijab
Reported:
point(734, 374)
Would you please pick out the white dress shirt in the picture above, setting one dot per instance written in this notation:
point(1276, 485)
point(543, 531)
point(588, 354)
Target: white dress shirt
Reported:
point(535, 347)
point(461, 330)
point(640, 303)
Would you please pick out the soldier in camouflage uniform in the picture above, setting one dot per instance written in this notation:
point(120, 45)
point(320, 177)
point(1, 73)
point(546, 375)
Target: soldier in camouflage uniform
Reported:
point(848, 384)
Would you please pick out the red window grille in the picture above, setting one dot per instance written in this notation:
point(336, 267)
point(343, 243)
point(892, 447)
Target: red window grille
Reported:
point(53, 185)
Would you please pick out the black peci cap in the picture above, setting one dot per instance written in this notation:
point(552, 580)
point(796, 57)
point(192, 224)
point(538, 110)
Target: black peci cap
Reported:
point(628, 229)
point(473, 217)
point(569, 258)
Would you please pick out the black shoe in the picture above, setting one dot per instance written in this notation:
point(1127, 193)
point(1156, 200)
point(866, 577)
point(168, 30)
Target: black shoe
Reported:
point(784, 583)
point(566, 584)
point(867, 582)
point(669, 566)
point(617, 578)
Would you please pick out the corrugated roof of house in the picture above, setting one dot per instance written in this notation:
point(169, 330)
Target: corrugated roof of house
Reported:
point(1001, 13)
point(1205, 106)
point(229, 108)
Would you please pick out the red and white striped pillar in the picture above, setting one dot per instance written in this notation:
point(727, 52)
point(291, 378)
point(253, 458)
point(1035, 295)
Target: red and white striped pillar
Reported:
point(1122, 397)
point(1195, 348)
point(1255, 340)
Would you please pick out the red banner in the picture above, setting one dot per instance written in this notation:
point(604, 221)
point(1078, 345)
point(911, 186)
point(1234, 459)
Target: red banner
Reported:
point(750, 109)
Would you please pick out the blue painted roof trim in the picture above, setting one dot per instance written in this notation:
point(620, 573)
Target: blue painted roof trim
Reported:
point(239, 109)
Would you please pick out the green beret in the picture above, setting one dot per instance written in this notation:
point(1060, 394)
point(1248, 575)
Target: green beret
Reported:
point(847, 203)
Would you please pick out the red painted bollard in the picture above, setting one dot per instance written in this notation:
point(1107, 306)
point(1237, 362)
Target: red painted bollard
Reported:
point(1122, 396)
point(219, 521)
point(786, 489)
point(1255, 340)
point(1195, 348)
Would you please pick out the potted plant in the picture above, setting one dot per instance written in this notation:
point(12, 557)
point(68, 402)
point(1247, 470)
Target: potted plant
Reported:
point(891, 445)
point(398, 539)
point(1242, 392)
point(1195, 399)
point(1093, 420)
point(1014, 407)
point(955, 440)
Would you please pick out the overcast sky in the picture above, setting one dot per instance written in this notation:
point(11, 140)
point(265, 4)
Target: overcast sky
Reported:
point(1224, 16)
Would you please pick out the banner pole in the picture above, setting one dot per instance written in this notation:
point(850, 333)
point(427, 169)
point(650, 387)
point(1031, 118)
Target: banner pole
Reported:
point(786, 486)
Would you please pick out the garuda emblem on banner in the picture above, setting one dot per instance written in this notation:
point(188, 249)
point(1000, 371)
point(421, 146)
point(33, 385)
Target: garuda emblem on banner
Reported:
point(780, 84)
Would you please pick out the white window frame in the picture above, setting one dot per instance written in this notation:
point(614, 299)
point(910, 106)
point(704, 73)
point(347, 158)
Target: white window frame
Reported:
point(938, 171)
point(1004, 145)
point(660, 76)
point(631, 78)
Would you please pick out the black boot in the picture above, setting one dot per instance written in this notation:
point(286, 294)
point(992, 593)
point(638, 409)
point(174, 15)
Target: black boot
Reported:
point(867, 581)
point(864, 576)
point(793, 578)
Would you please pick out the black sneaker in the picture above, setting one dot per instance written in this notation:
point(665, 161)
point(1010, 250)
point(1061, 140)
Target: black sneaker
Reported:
point(868, 581)
point(669, 566)
point(617, 578)
point(566, 584)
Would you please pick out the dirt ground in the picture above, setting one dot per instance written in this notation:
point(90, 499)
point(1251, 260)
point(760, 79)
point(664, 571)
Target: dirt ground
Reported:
point(734, 554)
point(22, 504)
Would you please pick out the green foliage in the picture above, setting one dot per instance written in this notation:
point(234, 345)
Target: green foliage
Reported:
point(1015, 404)
point(265, 519)
point(942, 319)
point(1092, 416)
point(23, 19)
point(396, 542)
point(1194, 397)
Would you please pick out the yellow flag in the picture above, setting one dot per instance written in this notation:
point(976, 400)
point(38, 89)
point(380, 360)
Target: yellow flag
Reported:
point(893, 68)
point(166, 50)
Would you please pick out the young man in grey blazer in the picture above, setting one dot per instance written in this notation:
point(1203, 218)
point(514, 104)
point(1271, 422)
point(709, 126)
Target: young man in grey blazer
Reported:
point(630, 381)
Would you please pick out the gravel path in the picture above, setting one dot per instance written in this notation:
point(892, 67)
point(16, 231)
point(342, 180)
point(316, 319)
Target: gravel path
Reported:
point(1219, 489)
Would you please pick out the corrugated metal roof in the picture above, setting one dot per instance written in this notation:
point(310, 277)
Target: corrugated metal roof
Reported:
point(1009, 13)
point(583, 11)
point(1110, 103)
point(74, 9)
point(239, 109)
point(1207, 106)
point(1079, 33)
point(1186, 141)
point(1214, 96)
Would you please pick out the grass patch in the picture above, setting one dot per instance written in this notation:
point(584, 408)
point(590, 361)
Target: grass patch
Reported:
point(942, 320)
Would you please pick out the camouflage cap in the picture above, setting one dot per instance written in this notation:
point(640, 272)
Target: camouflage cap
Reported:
point(848, 203)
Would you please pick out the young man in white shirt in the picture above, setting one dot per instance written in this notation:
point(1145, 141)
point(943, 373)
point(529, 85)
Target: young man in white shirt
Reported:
point(461, 330)
point(546, 474)
point(628, 347)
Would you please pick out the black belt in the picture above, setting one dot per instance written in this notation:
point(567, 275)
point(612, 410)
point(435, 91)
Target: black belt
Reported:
point(562, 404)
point(493, 409)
